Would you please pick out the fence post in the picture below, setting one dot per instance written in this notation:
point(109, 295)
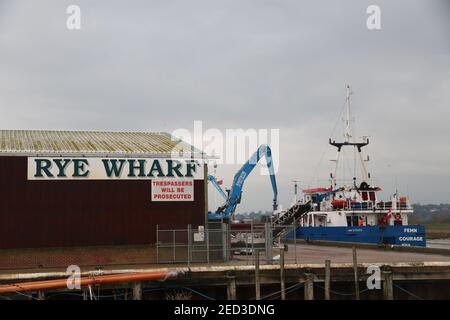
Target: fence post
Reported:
point(309, 286)
point(207, 244)
point(225, 242)
point(252, 236)
point(246, 247)
point(283, 285)
point(327, 279)
point(269, 242)
point(355, 273)
point(295, 242)
point(257, 280)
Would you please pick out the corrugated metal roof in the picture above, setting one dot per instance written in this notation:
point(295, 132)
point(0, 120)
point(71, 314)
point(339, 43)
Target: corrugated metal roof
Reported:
point(37, 142)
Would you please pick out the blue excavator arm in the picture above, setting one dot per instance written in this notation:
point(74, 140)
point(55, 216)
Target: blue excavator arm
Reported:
point(227, 210)
point(216, 185)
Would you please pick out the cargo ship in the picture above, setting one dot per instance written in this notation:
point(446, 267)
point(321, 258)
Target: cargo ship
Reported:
point(351, 210)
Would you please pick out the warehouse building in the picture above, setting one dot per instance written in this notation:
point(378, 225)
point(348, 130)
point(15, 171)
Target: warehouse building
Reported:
point(79, 188)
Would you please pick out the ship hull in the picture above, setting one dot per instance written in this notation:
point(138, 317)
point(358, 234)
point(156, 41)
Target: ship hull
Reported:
point(412, 235)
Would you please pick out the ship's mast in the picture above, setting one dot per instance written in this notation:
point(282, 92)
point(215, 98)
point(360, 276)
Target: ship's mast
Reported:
point(349, 141)
point(348, 131)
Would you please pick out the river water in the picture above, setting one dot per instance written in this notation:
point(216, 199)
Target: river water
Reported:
point(439, 243)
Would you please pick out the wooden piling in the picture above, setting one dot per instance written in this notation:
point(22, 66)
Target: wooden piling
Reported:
point(137, 291)
point(327, 279)
point(231, 288)
point(355, 272)
point(388, 286)
point(309, 286)
point(41, 295)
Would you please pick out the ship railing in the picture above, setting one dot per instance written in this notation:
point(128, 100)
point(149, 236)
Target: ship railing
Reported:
point(379, 206)
point(389, 205)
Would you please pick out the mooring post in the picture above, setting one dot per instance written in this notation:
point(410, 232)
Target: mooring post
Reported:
point(388, 286)
point(282, 283)
point(309, 286)
point(327, 279)
point(137, 291)
point(257, 280)
point(231, 288)
point(355, 272)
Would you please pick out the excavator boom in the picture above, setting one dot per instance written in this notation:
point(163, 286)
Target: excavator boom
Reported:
point(227, 210)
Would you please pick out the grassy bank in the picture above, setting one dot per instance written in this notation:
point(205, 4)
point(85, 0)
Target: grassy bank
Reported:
point(437, 230)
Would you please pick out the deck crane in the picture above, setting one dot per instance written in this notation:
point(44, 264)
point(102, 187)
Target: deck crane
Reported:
point(226, 211)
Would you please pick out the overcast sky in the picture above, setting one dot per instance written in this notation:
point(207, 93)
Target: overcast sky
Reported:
point(262, 64)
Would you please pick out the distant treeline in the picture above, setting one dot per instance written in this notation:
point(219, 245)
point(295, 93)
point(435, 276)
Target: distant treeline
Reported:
point(423, 213)
point(430, 213)
point(257, 216)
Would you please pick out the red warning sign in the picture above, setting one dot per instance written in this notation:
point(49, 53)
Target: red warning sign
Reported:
point(173, 190)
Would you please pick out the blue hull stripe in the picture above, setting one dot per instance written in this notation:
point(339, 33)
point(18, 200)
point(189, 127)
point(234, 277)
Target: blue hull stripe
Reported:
point(395, 235)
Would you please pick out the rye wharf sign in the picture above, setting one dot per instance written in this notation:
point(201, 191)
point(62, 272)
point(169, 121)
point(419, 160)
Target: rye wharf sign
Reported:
point(112, 168)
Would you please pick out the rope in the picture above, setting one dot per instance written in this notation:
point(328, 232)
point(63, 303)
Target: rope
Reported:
point(272, 296)
point(278, 293)
point(408, 292)
point(199, 293)
point(327, 146)
point(128, 293)
point(294, 289)
point(26, 295)
point(287, 290)
point(341, 293)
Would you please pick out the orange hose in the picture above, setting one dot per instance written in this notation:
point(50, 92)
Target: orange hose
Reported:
point(92, 280)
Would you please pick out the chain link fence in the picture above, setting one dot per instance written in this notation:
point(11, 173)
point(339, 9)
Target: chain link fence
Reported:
point(223, 243)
